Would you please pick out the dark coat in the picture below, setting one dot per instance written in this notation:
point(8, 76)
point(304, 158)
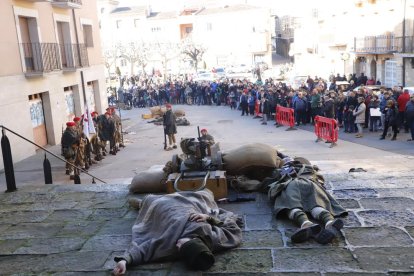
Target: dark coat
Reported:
point(169, 123)
point(409, 111)
point(304, 191)
point(266, 107)
point(329, 109)
point(69, 138)
point(300, 104)
point(106, 128)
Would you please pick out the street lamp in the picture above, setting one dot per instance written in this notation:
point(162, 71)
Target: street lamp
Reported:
point(345, 57)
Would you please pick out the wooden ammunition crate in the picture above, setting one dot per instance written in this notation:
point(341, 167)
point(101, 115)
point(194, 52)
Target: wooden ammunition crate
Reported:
point(192, 181)
point(146, 116)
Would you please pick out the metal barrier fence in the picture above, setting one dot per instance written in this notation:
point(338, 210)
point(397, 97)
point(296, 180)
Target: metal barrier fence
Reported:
point(326, 129)
point(257, 112)
point(285, 117)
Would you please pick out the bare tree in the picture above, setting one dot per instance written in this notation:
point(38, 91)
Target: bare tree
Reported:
point(110, 57)
point(135, 53)
point(192, 50)
point(165, 52)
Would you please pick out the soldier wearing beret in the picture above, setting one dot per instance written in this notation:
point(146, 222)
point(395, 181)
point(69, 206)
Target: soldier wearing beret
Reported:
point(69, 146)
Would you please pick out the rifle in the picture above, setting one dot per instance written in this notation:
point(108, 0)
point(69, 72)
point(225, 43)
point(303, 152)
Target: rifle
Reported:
point(202, 144)
point(165, 139)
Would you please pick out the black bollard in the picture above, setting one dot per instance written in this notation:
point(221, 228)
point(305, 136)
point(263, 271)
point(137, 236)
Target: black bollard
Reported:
point(47, 171)
point(8, 163)
point(76, 179)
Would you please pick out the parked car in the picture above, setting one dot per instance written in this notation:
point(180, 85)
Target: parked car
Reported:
point(221, 72)
point(297, 81)
point(206, 77)
point(374, 88)
point(241, 68)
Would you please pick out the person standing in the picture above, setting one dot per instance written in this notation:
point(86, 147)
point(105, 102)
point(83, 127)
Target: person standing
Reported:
point(244, 104)
point(402, 101)
point(69, 146)
point(328, 107)
point(359, 114)
point(373, 120)
point(170, 127)
point(316, 104)
point(391, 119)
point(409, 116)
point(300, 105)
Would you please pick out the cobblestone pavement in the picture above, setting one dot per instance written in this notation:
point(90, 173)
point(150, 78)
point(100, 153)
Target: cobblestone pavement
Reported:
point(77, 229)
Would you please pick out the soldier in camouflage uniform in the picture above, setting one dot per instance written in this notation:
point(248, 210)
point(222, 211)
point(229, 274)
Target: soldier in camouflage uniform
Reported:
point(80, 151)
point(118, 128)
point(69, 145)
point(95, 141)
point(106, 131)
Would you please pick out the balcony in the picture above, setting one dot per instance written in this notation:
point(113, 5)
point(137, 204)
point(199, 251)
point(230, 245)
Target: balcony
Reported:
point(40, 58)
point(73, 56)
point(67, 4)
point(39, 0)
point(383, 44)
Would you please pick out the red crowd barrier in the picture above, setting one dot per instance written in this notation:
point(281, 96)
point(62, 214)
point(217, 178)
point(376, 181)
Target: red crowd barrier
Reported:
point(285, 116)
point(257, 112)
point(326, 129)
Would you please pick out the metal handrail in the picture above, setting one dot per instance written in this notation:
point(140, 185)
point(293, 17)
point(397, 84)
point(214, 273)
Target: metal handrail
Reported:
point(51, 153)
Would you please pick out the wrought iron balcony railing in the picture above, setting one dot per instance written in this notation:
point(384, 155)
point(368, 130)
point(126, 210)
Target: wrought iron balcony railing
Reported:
point(41, 57)
point(383, 44)
point(74, 56)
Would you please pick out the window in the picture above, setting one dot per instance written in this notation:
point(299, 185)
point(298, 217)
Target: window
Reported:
point(118, 24)
point(188, 30)
point(102, 10)
point(155, 29)
point(87, 35)
point(123, 63)
point(136, 23)
point(209, 27)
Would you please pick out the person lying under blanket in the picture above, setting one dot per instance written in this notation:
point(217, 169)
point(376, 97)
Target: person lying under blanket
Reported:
point(188, 225)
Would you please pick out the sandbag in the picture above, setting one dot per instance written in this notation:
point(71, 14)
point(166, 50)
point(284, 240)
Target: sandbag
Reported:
point(241, 160)
point(149, 181)
point(179, 112)
point(158, 110)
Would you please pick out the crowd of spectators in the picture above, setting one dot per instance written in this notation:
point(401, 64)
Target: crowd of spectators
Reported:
point(354, 109)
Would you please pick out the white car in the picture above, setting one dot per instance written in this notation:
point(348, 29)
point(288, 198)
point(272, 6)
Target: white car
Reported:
point(242, 68)
point(206, 77)
point(376, 89)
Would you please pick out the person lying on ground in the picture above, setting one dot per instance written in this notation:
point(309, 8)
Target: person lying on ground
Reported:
point(298, 190)
point(192, 228)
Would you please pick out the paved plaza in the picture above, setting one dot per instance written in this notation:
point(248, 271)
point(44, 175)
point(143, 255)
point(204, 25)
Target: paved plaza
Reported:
point(67, 229)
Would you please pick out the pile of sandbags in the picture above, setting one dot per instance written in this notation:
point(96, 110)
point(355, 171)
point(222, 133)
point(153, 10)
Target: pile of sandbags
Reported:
point(179, 113)
point(149, 181)
point(253, 160)
point(158, 111)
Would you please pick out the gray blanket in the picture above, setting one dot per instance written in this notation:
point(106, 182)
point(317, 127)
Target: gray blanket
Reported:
point(163, 219)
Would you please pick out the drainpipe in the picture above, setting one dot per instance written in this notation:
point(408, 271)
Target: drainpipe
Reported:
point(79, 58)
point(403, 45)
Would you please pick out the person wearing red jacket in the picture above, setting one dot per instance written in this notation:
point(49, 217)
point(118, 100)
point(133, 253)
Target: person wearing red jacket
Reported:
point(402, 101)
